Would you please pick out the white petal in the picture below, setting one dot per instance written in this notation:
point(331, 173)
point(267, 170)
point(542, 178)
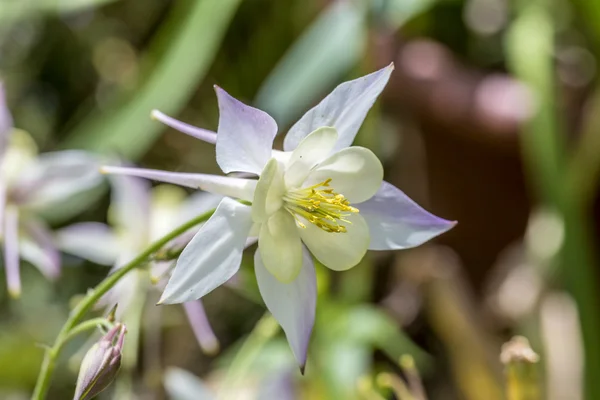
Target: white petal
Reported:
point(312, 150)
point(20, 153)
point(183, 385)
point(355, 172)
point(338, 251)
point(213, 255)
point(234, 187)
point(344, 109)
point(397, 222)
point(57, 176)
point(292, 304)
point(198, 133)
point(280, 246)
point(37, 246)
point(245, 135)
point(130, 208)
point(6, 121)
point(268, 196)
point(92, 241)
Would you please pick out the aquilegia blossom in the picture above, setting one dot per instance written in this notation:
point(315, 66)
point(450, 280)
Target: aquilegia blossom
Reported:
point(318, 196)
point(30, 184)
point(140, 215)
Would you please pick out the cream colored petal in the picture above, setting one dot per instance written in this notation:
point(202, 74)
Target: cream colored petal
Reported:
point(312, 150)
point(338, 251)
point(355, 172)
point(280, 246)
point(268, 196)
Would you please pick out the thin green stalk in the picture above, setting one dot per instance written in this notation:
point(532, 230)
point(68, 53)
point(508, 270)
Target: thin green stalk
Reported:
point(530, 45)
point(49, 362)
point(88, 325)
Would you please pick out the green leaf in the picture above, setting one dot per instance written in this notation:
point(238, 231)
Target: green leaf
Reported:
point(330, 47)
point(193, 38)
point(397, 12)
point(11, 11)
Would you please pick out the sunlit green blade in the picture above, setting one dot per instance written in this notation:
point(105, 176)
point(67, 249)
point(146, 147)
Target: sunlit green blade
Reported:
point(194, 37)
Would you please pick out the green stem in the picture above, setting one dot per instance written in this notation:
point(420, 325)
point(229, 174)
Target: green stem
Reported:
point(86, 326)
point(43, 381)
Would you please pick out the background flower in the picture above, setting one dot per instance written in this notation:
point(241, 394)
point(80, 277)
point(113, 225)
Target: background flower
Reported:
point(30, 185)
point(139, 215)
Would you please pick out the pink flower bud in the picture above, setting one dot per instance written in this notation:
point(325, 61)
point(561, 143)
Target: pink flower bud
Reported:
point(100, 364)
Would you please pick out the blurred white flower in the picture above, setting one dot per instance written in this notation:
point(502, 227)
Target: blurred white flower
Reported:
point(140, 215)
point(29, 185)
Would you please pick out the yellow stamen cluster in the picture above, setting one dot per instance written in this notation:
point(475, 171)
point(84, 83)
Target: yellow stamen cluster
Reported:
point(319, 205)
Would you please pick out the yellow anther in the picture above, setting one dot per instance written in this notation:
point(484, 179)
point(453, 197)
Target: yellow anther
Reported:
point(320, 205)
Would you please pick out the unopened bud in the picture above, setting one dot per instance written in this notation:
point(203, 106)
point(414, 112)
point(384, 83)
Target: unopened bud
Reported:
point(111, 314)
point(100, 364)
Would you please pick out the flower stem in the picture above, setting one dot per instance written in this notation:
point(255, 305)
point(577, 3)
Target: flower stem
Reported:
point(86, 326)
point(43, 381)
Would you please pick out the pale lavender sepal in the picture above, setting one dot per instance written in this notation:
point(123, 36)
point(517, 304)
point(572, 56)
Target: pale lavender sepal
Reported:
point(212, 256)
point(201, 326)
point(227, 186)
point(93, 241)
point(344, 109)
point(55, 177)
point(245, 136)
point(130, 207)
point(397, 222)
point(203, 134)
point(11, 251)
point(292, 304)
point(38, 248)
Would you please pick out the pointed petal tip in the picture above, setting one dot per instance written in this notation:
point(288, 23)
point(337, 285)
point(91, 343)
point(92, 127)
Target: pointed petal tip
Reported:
point(163, 301)
point(302, 368)
point(448, 224)
point(392, 66)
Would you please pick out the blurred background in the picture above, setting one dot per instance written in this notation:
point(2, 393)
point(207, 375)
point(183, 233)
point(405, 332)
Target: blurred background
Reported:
point(491, 118)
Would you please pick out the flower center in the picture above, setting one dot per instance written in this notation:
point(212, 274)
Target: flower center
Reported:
point(319, 205)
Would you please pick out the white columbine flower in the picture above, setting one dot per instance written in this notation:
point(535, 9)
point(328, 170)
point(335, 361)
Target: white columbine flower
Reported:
point(318, 196)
